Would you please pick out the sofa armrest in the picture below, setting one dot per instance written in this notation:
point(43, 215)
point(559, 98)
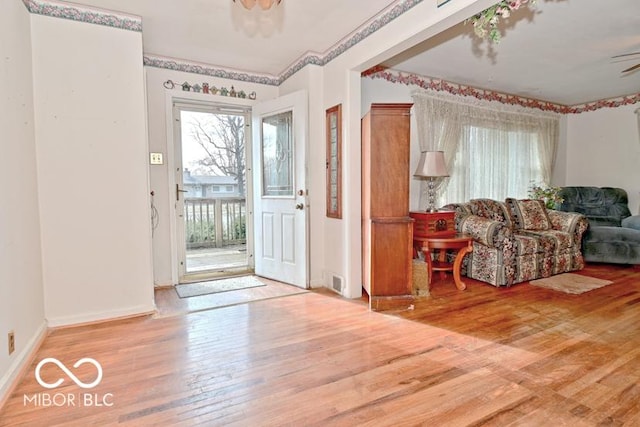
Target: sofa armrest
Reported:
point(485, 231)
point(570, 222)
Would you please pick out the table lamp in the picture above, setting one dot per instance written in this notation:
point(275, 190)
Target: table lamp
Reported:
point(431, 166)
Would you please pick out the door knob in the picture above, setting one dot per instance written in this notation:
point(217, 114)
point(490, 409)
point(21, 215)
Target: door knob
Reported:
point(300, 206)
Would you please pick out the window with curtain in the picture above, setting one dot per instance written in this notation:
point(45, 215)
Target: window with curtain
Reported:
point(495, 164)
point(491, 151)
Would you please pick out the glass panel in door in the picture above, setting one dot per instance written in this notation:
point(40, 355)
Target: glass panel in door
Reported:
point(212, 192)
point(277, 155)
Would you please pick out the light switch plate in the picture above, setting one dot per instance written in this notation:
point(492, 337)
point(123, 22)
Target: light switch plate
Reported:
point(156, 158)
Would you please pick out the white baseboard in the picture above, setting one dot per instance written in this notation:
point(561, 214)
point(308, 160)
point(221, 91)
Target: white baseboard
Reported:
point(160, 285)
point(21, 363)
point(319, 283)
point(140, 310)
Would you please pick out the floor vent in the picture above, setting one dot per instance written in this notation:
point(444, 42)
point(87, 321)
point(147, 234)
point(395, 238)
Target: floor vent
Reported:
point(336, 284)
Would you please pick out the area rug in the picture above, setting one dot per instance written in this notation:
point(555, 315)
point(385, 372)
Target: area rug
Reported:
point(571, 283)
point(217, 286)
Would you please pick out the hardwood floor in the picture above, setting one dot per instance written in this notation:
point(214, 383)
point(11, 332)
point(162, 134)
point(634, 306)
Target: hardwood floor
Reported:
point(483, 357)
point(169, 303)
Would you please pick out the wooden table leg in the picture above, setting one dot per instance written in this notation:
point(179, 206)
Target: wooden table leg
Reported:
point(457, 264)
point(427, 258)
point(442, 257)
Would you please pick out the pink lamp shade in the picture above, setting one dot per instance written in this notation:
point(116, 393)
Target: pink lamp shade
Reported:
point(431, 164)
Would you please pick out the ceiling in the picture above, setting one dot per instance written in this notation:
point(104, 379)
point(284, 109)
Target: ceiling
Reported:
point(558, 52)
point(223, 34)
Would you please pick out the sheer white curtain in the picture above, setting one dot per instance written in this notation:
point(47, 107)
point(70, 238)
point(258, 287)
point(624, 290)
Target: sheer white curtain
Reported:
point(638, 114)
point(493, 151)
point(438, 130)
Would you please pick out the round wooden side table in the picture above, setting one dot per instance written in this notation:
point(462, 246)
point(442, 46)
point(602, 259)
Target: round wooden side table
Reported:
point(429, 245)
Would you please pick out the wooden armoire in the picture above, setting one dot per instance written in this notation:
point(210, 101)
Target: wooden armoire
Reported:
point(386, 226)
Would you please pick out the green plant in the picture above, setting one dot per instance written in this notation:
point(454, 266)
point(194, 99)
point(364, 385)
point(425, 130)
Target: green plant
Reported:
point(200, 232)
point(549, 195)
point(485, 23)
point(241, 229)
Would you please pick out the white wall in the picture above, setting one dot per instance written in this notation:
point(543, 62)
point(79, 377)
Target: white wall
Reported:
point(559, 174)
point(158, 98)
point(603, 150)
point(21, 290)
point(92, 170)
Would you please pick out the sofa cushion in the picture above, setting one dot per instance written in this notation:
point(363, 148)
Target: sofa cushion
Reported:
point(604, 221)
point(492, 209)
point(527, 245)
point(617, 245)
point(535, 242)
point(632, 222)
point(562, 241)
point(528, 214)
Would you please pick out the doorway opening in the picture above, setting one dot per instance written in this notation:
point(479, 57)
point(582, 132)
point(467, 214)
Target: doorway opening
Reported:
point(211, 191)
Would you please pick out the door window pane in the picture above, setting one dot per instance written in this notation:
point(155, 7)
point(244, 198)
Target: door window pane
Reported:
point(277, 155)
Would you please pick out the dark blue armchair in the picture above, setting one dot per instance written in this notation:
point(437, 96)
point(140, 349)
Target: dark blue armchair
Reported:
point(613, 235)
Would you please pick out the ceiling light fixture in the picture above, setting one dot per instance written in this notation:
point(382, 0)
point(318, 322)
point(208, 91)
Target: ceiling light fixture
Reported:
point(264, 4)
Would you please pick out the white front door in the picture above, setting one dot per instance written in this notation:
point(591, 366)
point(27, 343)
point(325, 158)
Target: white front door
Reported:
point(280, 192)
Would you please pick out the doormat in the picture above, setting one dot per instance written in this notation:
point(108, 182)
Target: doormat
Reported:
point(571, 283)
point(216, 286)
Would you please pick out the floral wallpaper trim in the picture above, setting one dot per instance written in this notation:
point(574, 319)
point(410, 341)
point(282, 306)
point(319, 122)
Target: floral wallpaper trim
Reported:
point(102, 17)
point(347, 43)
point(489, 95)
point(307, 59)
point(133, 23)
point(208, 70)
point(76, 12)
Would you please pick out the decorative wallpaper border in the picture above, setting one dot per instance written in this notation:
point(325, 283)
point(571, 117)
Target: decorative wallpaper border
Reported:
point(307, 59)
point(604, 103)
point(75, 12)
point(207, 70)
point(489, 95)
point(348, 42)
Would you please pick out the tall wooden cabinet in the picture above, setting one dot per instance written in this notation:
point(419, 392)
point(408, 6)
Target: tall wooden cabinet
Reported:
point(387, 229)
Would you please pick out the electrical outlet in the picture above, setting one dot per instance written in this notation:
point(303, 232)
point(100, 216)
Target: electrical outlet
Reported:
point(12, 342)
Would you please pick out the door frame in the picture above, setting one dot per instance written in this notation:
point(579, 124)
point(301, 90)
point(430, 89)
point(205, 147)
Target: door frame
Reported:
point(196, 100)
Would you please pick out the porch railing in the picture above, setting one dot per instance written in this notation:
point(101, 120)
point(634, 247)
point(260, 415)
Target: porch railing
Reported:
point(214, 223)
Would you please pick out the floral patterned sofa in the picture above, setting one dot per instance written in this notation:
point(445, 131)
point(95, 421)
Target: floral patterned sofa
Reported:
point(518, 240)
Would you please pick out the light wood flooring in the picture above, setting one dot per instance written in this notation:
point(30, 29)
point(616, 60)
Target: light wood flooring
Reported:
point(168, 302)
point(481, 357)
